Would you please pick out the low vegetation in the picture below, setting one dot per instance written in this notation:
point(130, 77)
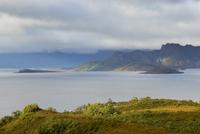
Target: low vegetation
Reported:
point(137, 116)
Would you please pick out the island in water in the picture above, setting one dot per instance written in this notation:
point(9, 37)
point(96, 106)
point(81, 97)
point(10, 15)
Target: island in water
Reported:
point(137, 116)
point(162, 70)
point(37, 71)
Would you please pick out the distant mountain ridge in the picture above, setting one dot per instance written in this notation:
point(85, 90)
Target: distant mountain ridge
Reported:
point(49, 59)
point(175, 55)
point(170, 56)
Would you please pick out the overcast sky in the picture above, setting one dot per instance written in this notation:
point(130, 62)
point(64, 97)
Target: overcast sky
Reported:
point(91, 25)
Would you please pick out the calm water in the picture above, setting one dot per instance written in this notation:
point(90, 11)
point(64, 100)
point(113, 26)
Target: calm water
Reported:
point(71, 89)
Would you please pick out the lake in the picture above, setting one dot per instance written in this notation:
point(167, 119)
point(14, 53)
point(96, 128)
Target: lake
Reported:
point(68, 90)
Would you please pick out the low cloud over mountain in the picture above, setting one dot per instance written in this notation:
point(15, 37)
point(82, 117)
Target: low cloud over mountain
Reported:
point(85, 26)
point(170, 56)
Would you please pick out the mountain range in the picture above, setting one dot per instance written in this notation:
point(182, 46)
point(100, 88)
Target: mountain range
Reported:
point(170, 57)
point(49, 59)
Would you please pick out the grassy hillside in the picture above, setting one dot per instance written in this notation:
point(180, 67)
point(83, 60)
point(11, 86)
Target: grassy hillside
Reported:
point(137, 116)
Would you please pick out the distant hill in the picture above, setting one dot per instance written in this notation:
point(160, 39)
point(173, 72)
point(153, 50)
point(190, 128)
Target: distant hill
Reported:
point(175, 55)
point(171, 56)
point(49, 60)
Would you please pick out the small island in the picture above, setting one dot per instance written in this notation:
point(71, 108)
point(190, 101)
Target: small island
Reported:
point(36, 71)
point(162, 70)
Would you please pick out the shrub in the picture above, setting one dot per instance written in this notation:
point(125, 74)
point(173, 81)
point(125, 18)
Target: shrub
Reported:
point(16, 113)
point(134, 100)
point(99, 109)
point(31, 108)
point(5, 120)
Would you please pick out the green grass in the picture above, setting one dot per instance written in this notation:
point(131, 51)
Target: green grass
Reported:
point(137, 116)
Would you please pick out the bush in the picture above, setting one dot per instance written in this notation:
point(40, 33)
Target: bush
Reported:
point(99, 109)
point(31, 108)
point(5, 120)
point(134, 100)
point(16, 113)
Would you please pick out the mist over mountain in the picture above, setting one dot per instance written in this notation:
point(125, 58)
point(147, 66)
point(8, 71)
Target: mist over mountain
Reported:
point(170, 56)
point(48, 60)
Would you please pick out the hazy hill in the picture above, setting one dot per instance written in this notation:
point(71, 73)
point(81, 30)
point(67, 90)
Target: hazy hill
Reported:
point(48, 60)
point(178, 56)
point(171, 55)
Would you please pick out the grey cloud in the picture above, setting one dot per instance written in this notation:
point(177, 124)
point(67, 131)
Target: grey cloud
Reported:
point(90, 25)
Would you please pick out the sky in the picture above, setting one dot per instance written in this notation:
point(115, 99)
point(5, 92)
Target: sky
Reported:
point(86, 26)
